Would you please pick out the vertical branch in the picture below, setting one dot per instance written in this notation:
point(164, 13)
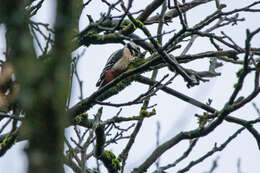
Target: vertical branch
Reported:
point(239, 165)
point(246, 70)
point(124, 154)
point(158, 142)
point(180, 15)
point(161, 22)
point(43, 85)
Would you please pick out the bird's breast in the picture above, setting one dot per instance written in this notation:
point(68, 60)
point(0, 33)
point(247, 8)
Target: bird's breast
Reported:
point(122, 64)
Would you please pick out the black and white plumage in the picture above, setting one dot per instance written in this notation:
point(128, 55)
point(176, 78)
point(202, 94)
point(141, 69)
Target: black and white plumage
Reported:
point(117, 63)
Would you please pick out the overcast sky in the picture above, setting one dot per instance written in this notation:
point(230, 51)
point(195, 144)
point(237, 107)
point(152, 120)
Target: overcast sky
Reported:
point(173, 114)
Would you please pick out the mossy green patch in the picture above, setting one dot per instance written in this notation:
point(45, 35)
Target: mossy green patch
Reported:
point(7, 142)
point(239, 72)
point(145, 113)
point(79, 118)
point(110, 161)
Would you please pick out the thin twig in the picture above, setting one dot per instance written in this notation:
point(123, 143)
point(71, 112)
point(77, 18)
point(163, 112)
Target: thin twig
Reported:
point(211, 152)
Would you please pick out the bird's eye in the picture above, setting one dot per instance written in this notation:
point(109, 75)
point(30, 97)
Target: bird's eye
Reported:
point(133, 49)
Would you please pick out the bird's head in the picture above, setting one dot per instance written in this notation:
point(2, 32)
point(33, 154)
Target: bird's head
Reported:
point(133, 48)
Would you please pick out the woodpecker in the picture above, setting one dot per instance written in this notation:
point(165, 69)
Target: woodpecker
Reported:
point(117, 63)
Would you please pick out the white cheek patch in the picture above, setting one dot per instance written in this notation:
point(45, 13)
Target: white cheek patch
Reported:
point(123, 63)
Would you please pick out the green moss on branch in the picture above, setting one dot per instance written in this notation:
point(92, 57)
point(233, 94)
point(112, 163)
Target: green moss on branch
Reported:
point(110, 161)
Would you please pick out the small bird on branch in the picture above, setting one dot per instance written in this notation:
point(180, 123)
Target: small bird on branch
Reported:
point(118, 63)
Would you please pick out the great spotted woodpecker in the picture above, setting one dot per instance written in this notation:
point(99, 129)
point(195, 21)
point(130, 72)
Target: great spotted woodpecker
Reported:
point(117, 63)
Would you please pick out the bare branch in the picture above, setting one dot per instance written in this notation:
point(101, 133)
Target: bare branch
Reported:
point(211, 152)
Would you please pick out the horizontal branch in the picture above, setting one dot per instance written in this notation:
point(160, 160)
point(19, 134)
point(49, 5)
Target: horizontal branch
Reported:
point(173, 12)
point(177, 94)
